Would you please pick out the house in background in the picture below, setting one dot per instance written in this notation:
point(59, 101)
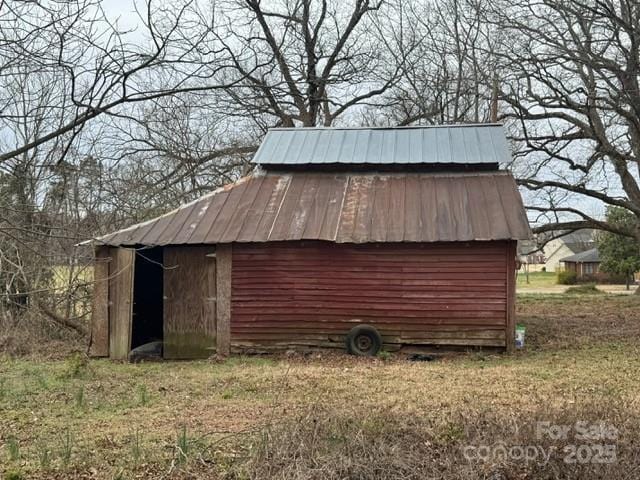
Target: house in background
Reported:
point(586, 264)
point(567, 245)
point(531, 256)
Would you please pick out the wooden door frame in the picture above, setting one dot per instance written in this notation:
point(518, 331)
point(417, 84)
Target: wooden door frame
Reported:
point(121, 275)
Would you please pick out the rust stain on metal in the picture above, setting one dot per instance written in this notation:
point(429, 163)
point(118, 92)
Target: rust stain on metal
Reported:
point(343, 208)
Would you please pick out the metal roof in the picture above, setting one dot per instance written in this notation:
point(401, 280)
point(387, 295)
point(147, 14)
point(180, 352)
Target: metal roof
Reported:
point(589, 256)
point(438, 145)
point(343, 208)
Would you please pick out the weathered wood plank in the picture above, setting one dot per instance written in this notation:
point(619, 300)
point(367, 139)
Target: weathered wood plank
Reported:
point(189, 302)
point(99, 340)
point(121, 271)
point(223, 306)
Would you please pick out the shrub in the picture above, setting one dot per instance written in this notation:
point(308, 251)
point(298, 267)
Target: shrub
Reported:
point(566, 277)
point(384, 355)
point(76, 366)
point(586, 289)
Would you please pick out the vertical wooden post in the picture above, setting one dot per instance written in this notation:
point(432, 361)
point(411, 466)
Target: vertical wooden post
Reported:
point(511, 297)
point(223, 304)
point(99, 338)
point(121, 274)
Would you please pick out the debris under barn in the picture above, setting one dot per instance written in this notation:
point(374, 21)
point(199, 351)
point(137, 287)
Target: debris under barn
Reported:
point(411, 231)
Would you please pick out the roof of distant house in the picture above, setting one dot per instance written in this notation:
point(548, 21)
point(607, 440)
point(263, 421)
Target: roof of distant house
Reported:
point(577, 241)
point(588, 256)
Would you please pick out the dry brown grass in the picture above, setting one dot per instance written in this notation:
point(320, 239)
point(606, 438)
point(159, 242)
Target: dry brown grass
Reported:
point(333, 416)
point(28, 334)
point(573, 321)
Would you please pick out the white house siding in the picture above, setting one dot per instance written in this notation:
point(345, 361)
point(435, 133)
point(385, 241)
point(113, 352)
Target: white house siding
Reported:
point(553, 252)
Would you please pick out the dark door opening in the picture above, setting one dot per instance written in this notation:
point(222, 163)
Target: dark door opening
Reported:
point(146, 322)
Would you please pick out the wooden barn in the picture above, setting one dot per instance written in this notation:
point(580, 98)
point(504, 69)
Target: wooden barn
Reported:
point(357, 237)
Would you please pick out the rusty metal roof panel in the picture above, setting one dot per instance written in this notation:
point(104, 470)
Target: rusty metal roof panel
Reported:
point(343, 208)
point(433, 145)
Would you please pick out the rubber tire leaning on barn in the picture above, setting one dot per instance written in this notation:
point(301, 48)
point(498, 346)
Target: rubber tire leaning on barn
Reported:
point(364, 341)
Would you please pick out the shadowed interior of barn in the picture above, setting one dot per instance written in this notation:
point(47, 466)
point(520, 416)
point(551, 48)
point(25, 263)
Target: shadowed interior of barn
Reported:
point(334, 228)
point(147, 310)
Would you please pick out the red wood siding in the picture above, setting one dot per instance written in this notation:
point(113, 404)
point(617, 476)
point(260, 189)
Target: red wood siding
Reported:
point(312, 293)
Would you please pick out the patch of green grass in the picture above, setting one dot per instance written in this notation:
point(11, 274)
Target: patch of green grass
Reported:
point(3, 388)
point(143, 395)
point(384, 355)
point(66, 447)
point(451, 432)
point(79, 398)
point(136, 447)
point(13, 475)
point(44, 456)
point(182, 445)
point(536, 279)
point(13, 449)
point(41, 380)
point(578, 348)
point(76, 366)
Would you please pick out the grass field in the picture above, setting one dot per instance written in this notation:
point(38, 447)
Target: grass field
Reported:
point(536, 279)
point(334, 416)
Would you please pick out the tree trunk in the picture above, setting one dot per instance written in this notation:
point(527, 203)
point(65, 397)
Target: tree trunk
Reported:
point(65, 322)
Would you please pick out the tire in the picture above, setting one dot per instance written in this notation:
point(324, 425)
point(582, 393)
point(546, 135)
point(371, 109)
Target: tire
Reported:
point(364, 341)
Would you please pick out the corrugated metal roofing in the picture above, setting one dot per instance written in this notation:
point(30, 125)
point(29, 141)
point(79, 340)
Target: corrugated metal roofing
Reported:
point(344, 208)
point(438, 145)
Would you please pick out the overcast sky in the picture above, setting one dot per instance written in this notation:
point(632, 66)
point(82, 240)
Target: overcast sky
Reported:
point(124, 13)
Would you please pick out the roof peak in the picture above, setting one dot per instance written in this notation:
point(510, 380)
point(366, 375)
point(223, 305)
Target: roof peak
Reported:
point(398, 127)
point(477, 146)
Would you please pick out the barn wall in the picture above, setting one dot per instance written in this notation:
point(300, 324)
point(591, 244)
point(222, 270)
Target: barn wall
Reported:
point(312, 293)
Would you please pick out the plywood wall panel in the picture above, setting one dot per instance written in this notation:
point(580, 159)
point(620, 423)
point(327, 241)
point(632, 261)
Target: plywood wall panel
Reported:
point(189, 302)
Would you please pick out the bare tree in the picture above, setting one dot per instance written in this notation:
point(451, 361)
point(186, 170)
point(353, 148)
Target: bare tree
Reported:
point(573, 97)
point(449, 76)
point(66, 65)
point(307, 62)
point(97, 67)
